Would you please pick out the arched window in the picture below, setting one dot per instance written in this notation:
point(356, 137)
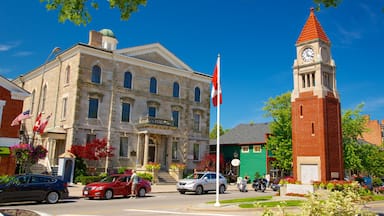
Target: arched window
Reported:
point(67, 74)
point(44, 97)
point(176, 90)
point(96, 74)
point(197, 94)
point(153, 85)
point(128, 80)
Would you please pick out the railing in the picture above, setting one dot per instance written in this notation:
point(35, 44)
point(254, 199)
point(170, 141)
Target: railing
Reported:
point(156, 121)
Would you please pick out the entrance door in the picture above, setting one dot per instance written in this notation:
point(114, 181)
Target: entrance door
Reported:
point(309, 173)
point(151, 153)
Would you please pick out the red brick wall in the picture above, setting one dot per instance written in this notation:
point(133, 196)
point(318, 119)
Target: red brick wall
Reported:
point(324, 139)
point(373, 135)
point(11, 109)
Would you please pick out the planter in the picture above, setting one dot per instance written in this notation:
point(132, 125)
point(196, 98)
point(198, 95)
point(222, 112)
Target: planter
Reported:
point(295, 189)
point(177, 174)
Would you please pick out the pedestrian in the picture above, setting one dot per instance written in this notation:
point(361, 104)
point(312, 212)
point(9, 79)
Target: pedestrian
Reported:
point(134, 180)
point(268, 178)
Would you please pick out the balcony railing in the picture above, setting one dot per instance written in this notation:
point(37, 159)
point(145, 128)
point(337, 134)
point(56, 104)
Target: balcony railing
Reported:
point(147, 120)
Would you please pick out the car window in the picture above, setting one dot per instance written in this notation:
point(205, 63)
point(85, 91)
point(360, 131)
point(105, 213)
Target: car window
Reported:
point(123, 179)
point(108, 179)
point(40, 179)
point(21, 180)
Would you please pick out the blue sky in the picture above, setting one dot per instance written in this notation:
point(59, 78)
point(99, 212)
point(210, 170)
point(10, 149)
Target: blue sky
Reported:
point(256, 41)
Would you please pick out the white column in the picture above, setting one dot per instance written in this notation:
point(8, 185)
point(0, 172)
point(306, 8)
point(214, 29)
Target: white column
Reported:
point(146, 142)
point(138, 155)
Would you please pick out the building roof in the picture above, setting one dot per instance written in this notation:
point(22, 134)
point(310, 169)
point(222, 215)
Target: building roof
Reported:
point(245, 134)
point(312, 30)
point(17, 93)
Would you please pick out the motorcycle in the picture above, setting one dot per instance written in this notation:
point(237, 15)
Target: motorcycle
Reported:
point(259, 184)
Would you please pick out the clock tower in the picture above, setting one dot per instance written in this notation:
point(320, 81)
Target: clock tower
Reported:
point(316, 117)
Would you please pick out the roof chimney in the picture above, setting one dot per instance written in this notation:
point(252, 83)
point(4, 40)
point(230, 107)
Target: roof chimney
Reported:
point(95, 39)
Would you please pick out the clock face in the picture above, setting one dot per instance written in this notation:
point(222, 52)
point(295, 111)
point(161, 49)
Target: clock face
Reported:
point(307, 54)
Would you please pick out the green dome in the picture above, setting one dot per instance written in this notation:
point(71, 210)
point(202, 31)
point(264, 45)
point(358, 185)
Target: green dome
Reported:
point(107, 32)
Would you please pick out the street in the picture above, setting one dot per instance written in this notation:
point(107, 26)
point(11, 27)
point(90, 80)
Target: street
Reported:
point(152, 204)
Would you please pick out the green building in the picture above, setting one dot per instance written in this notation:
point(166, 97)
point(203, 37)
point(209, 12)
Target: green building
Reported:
point(246, 142)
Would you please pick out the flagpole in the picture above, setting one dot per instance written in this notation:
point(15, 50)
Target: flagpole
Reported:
point(218, 133)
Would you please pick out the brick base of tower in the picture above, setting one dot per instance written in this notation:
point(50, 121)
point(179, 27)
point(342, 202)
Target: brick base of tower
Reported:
point(316, 138)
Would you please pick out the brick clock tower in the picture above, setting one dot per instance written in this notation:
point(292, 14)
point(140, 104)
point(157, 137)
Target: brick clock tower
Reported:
point(316, 117)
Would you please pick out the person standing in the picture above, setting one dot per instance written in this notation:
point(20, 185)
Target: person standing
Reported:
point(133, 181)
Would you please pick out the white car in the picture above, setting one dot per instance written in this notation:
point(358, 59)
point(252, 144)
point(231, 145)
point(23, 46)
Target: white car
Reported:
point(201, 182)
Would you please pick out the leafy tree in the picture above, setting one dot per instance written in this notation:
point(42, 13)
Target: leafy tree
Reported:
point(213, 133)
point(280, 142)
point(77, 11)
point(208, 162)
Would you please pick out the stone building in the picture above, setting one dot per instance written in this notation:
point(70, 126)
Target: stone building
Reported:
point(147, 103)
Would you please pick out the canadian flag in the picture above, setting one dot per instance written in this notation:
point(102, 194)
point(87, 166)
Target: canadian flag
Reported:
point(37, 123)
point(216, 88)
point(43, 125)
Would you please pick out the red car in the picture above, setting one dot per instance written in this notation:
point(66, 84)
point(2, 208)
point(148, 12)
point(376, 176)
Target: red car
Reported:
point(115, 185)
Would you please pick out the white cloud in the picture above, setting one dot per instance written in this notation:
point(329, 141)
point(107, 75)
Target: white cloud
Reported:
point(8, 46)
point(23, 53)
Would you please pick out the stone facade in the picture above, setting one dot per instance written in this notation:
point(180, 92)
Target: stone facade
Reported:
point(143, 136)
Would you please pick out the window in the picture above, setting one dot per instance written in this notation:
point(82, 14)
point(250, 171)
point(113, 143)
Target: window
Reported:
point(33, 101)
point(2, 104)
point(123, 147)
point(244, 149)
point(96, 74)
point(153, 85)
point(152, 111)
point(125, 112)
point(128, 80)
point(256, 148)
point(90, 138)
point(196, 122)
point(64, 108)
point(196, 152)
point(176, 90)
point(67, 74)
point(175, 118)
point(197, 94)
point(175, 150)
point(44, 97)
point(301, 111)
point(313, 128)
point(93, 107)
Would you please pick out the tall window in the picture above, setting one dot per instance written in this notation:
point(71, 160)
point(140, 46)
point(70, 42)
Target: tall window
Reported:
point(153, 85)
point(197, 94)
point(125, 112)
point(175, 149)
point(196, 151)
point(90, 138)
point(44, 97)
point(96, 74)
point(128, 80)
point(152, 111)
point(196, 122)
point(93, 107)
point(176, 90)
point(123, 147)
point(64, 108)
point(67, 74)
point(33, 101)
point(175, 118)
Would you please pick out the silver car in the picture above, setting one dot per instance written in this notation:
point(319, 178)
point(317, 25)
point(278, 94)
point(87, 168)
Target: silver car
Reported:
point(201, 182)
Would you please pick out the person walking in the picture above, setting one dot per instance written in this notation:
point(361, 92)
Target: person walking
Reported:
point(134, 180)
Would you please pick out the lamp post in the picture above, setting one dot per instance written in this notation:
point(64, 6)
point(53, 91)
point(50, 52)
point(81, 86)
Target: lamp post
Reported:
point(53, 52)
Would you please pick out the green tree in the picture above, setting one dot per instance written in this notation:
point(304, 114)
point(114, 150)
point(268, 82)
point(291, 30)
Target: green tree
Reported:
point(213, 133)
point(280, 143)
point(77, 11)
point(353, 126)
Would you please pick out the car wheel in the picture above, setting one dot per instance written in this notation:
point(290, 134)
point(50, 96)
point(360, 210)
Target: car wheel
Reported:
point(52, 197)
point(199, 190)
point(222, 189)
point(91, 198)
point(142, 192)
point(182, 192)
point(108, 194)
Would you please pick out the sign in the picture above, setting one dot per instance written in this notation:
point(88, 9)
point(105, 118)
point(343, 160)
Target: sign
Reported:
point(38, 168)
point(235, 162)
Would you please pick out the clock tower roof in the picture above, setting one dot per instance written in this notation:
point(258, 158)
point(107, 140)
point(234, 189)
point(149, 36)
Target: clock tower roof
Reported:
point(312, 30)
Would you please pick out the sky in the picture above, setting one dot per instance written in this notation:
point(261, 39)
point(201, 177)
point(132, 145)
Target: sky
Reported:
point(255, 39)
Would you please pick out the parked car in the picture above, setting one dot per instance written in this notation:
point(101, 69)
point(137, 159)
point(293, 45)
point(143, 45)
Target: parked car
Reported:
point(33, 187)
point(115, 185)
point(201, 182)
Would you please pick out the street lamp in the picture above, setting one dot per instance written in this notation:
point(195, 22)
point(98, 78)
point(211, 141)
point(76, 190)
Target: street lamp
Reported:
point(53, 52)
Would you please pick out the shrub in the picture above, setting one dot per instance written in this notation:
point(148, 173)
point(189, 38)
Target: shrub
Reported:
point(175, 166)
point(88, 179)
point(146, 176)
point(152, 166)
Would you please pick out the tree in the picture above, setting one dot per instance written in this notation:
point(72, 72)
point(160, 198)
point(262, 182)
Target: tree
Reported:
point(280, 142)
point(77, 11)
point(326, 3)
point(213, 133)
